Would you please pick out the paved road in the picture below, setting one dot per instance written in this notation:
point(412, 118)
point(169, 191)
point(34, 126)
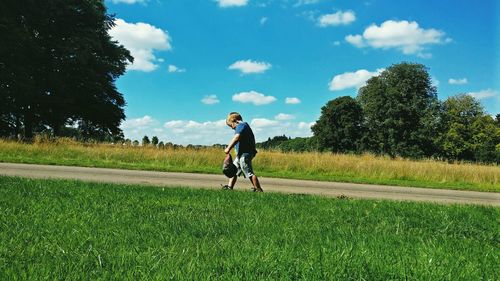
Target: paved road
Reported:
point(331, 189)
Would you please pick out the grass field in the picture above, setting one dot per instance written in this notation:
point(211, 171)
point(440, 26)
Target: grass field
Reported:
point(313, 166)
point(68, 230)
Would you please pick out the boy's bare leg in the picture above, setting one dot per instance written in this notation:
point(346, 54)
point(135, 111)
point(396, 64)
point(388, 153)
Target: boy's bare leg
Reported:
point(256, 183)
point(232, 182)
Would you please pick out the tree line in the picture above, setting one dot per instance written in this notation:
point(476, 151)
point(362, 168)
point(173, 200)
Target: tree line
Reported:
point(58, 67)
point(397, 113)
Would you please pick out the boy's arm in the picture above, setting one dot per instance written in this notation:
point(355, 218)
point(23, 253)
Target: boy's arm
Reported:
point(231, 144)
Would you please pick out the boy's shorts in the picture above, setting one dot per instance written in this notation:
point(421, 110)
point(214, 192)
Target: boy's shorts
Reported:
point(244, 164)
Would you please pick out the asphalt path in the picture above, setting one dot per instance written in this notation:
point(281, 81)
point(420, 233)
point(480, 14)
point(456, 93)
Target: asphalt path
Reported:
point(330, 189)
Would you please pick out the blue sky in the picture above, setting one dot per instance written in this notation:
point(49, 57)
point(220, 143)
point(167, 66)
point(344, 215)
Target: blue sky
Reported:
point(278, 62)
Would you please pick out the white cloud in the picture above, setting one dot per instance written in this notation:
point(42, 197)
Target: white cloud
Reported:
point(249, 66)
point(138, 123)
point(211, 99)
point(210, 132)
point(305, 125)
point(193, 132)
point(405, 36)
point(141, 39)
point(338, 18)
point(172, 69)
point(253, 97)
point(460, 81)
point(435, 82)
point(352, 79)
point(263, 20)
point(232, 3)
point(266, 128)
point(292, 101)
point(484, 94)
point(284, 116)
point(305, 2)
point(356, 40)
point(263, 123)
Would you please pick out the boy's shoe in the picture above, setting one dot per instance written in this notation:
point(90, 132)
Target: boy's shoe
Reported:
point(226, 187)
point(256, 190)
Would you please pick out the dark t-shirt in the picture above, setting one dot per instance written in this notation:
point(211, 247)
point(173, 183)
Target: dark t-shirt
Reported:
point(246, 144)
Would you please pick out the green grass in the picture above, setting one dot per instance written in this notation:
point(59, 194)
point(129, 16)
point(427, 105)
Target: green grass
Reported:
point(70, 230)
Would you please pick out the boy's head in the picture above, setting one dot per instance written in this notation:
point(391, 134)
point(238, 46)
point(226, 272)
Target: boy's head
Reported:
point(233, 119)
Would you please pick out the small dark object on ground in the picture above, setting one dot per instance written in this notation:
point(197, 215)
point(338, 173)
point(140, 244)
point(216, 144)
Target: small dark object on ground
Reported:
point(342, 196)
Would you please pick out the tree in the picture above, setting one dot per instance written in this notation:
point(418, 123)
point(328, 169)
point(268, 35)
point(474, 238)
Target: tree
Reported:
point(339, 128)
point(145, 141)
point(298, 145)
point(58, 66)
point(467, 132)
point(401, 111)
point(273, 143)
point(486, 140)
point(154, 140)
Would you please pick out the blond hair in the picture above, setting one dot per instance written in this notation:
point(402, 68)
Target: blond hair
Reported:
point(233, 117)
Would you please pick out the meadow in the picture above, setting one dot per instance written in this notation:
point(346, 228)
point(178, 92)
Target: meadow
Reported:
point(70, 230)
point(312, 166)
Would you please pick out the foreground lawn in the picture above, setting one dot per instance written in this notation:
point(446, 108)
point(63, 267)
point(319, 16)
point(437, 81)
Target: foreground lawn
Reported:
point(73, 230)
point(312, 166)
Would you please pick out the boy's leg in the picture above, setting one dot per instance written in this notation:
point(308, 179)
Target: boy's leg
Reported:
point(232, 182)
point(256, 183)
point(246, 166)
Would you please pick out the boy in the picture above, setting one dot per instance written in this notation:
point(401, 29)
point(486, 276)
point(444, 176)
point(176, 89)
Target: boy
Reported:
point(244, 143)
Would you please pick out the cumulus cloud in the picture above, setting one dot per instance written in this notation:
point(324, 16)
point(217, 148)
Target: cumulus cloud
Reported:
point(352, 79)
point(249, 66)
point(136, 128)
point(141, 39)
point(138, 123)
point(284, 116)
point(253, 97)
point(267, 128)
point(460, 81)
point(405, 36)
point(172, 69)
point(305, 2)
point(232, 3)
point(338, 18)
point(356, 40)
point(305, 125)
point(211, 99)
point(484, 94)
point(211, 132)
point(193, 132)
point(292, 101)
point(263, 123)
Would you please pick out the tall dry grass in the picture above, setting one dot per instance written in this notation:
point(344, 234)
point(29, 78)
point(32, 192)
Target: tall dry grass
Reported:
point(321, 166)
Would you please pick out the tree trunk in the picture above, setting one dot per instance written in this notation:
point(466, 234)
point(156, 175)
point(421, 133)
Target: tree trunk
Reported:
point(28, 124)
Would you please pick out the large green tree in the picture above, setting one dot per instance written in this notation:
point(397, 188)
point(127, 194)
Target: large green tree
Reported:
point(58, 66)
point(339, 128)
point(468, 133)
point(401, 111)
